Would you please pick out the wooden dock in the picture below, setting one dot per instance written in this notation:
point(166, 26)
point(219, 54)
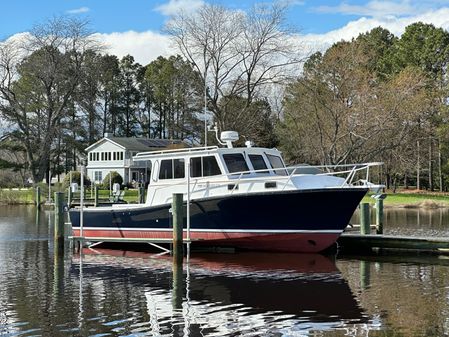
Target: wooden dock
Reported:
point(364, 242)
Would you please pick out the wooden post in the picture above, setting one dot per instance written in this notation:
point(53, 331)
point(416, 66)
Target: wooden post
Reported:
point(69, 196)
point(58, 270)
point(177, 285)
point(178, 219)
point(364, 218)
point(95, 195)
point(59, 219)
point(364, 275)
point(379, 216)
point(141, 194)
point(38, 196)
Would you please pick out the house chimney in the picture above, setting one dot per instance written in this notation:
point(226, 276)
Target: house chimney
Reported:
point(107, 135)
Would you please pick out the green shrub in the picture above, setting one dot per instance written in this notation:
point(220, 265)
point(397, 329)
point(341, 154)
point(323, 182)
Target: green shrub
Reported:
point(115, 178)
point(76, 178)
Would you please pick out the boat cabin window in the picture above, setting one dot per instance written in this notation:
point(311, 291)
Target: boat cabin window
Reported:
point(277, 164)
point(258, 162)
point(204, 167)
point(172, 168)
point(235, 162)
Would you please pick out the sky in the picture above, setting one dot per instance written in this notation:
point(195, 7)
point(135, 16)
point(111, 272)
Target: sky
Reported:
point(136, 26)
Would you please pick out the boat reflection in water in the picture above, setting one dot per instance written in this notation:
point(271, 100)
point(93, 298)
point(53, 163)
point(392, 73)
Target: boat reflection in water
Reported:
point(228, 294)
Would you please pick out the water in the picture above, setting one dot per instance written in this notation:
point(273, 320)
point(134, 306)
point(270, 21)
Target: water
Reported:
point(413, 221)
point(124, 293)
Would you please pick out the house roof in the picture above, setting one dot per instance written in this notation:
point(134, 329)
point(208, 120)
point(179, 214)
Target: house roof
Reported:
point(136, 144)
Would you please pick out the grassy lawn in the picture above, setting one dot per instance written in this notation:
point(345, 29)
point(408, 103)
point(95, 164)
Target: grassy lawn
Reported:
point(402, 198)
point(409, 198)
point(26, 195)
point(16, 196)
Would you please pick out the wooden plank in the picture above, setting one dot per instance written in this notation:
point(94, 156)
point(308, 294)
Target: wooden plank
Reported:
point(363, 242)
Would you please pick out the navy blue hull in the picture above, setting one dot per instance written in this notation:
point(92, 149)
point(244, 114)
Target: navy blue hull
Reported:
point(308, 210)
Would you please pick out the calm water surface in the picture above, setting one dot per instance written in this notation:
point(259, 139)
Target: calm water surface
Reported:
point(123, 293)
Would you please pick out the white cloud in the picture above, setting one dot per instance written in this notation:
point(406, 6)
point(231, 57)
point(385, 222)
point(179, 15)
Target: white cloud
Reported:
point(144, 46)
point(78, 10)
point(173, 7)
point(293, 2)
point(374, 8)
point(396, 25)
point(147, 46)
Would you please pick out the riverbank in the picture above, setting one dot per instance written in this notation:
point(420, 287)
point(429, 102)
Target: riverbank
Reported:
point(413, 199)
point(400, 199)
point(25, 196)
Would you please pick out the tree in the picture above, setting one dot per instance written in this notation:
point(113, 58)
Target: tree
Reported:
point(88, 92)
point(173, 95)
point(37, 81)
point(426, 47)
point(129, 97)
point(253, 123)
point(338, 112)
point(109, 88)
point(236, 54)
point(111, 178)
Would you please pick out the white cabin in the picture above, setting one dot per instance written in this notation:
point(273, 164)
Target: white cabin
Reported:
point(216, 172)
point(116, 154)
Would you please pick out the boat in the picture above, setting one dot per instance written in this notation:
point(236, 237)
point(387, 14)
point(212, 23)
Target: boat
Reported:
point(244, 197)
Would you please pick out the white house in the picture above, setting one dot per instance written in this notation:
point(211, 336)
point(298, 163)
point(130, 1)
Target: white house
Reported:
point(115, 154)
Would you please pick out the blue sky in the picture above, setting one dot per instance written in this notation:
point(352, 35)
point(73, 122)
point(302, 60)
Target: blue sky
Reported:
point(135, 26)
point(141, 15)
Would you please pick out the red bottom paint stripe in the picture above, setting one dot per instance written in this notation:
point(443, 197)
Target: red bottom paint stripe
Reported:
point(291, 242)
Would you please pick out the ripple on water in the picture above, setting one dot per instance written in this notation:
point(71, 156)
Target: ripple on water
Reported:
point(216, 295)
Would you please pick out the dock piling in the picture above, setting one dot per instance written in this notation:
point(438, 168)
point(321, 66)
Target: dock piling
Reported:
point(95, 188)
point(364, 219)
point(379, 216)
point(38, 196)
point(364, 275)
point(59, 219)
point(177, 285)
point(69, 196)
point(178, 219)
point(141, 194)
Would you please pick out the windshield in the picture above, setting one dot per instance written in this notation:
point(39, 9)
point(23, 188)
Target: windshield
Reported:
point(235, 162)
point(258, 162)
point(277, 164)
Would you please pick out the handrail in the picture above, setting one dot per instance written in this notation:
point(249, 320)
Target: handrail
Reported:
point(143, 155)
point(375, 163)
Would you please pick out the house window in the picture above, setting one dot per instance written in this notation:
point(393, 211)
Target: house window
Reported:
point(102, 155)
point(90, 156)
point(98, 156)
point(109, 155)
point(121, 155)
point(114, 156)
point(98, 175)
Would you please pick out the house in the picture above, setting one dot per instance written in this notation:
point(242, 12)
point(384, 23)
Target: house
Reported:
point(116, 154)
